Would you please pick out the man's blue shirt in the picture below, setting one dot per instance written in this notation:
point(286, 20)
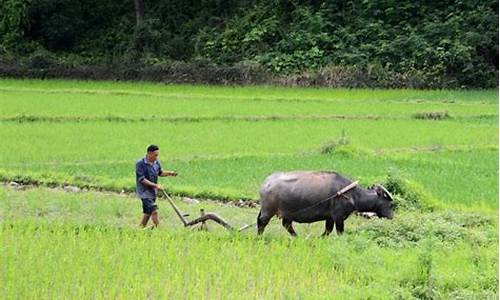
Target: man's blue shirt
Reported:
point(144, 169)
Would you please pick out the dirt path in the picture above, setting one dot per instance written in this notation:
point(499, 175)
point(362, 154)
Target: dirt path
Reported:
point(74, 189)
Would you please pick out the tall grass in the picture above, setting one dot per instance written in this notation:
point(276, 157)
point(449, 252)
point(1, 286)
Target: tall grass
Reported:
point(61, 245)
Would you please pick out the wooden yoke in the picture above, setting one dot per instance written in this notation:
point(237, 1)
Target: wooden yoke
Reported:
point(347, 188)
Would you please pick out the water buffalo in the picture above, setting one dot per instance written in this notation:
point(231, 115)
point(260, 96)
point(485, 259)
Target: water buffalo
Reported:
point(310, 196)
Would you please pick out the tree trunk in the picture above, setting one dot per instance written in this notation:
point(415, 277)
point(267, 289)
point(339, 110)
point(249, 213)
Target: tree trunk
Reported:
point(138, 43)
point(139, 13)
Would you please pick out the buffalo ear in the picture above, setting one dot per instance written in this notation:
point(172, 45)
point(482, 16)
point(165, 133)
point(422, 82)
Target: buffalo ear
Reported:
point(381, 192)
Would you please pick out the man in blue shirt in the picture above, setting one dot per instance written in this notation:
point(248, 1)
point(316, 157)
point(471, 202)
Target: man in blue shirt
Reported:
point(147, 170)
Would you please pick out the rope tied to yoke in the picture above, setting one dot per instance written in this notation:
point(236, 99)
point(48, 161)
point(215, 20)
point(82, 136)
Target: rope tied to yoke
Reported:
point(338, 194)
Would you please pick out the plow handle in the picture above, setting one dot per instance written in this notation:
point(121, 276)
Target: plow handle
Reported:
point(177, 211)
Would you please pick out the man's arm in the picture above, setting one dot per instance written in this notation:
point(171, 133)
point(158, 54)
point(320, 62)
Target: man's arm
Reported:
point(168, 173)
point(151, 184)
point(141, 177)
point(161, 173)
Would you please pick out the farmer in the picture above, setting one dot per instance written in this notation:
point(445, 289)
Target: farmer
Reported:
point(147, 170)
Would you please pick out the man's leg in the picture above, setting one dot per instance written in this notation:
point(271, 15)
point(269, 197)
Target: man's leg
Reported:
point(146, 210)
point(156, 218)
point(149, 209)
point(145, 220)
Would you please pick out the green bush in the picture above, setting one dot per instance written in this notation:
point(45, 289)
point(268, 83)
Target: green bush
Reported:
point(451, 227)
point(409, 195)
point(13, 19)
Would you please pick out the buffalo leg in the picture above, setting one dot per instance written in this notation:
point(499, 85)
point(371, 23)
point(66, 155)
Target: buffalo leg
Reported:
point(328, 227)
point(262, 221)
point(339, 224)
point(288, 225)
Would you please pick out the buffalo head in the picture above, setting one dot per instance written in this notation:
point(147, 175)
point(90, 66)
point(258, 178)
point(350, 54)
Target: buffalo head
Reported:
point(385, 202)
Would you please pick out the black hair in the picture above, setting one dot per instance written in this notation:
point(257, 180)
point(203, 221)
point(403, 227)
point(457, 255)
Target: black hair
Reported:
point(153, 148)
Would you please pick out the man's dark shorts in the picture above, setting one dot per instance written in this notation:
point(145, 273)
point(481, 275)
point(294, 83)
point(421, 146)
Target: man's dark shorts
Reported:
point(149, 205)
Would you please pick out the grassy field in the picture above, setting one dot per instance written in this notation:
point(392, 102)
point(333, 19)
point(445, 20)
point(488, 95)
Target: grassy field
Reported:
point(224, 141)
point(84, 245)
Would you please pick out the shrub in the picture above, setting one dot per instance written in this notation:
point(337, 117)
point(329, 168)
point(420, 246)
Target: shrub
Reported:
point(410, 228)
point(432, 115)
point(409, 195)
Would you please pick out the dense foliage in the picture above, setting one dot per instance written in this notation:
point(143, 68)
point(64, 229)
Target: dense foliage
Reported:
point(371, 43)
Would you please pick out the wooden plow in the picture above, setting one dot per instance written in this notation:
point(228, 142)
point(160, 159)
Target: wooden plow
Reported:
point(204, 217)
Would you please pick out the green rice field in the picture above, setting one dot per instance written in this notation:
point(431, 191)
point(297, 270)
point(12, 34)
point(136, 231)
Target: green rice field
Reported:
point(439, 147)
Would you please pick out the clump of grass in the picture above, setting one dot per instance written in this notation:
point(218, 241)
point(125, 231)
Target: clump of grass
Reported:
point(332, 145)
point(424, 285)
point(410, 229)
point(409, 195)
point(23, 118)
point(432, 115)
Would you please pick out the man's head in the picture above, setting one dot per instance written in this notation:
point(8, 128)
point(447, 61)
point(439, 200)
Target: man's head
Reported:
point(152, 153)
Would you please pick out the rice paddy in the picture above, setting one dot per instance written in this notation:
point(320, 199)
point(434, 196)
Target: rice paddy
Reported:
point(224, 141)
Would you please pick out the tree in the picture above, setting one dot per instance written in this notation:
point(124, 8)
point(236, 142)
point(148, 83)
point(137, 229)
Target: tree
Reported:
point(138, 38)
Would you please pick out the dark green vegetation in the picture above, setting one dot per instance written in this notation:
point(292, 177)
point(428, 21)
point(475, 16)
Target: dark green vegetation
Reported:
point(437, 151)
point(383, 43)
